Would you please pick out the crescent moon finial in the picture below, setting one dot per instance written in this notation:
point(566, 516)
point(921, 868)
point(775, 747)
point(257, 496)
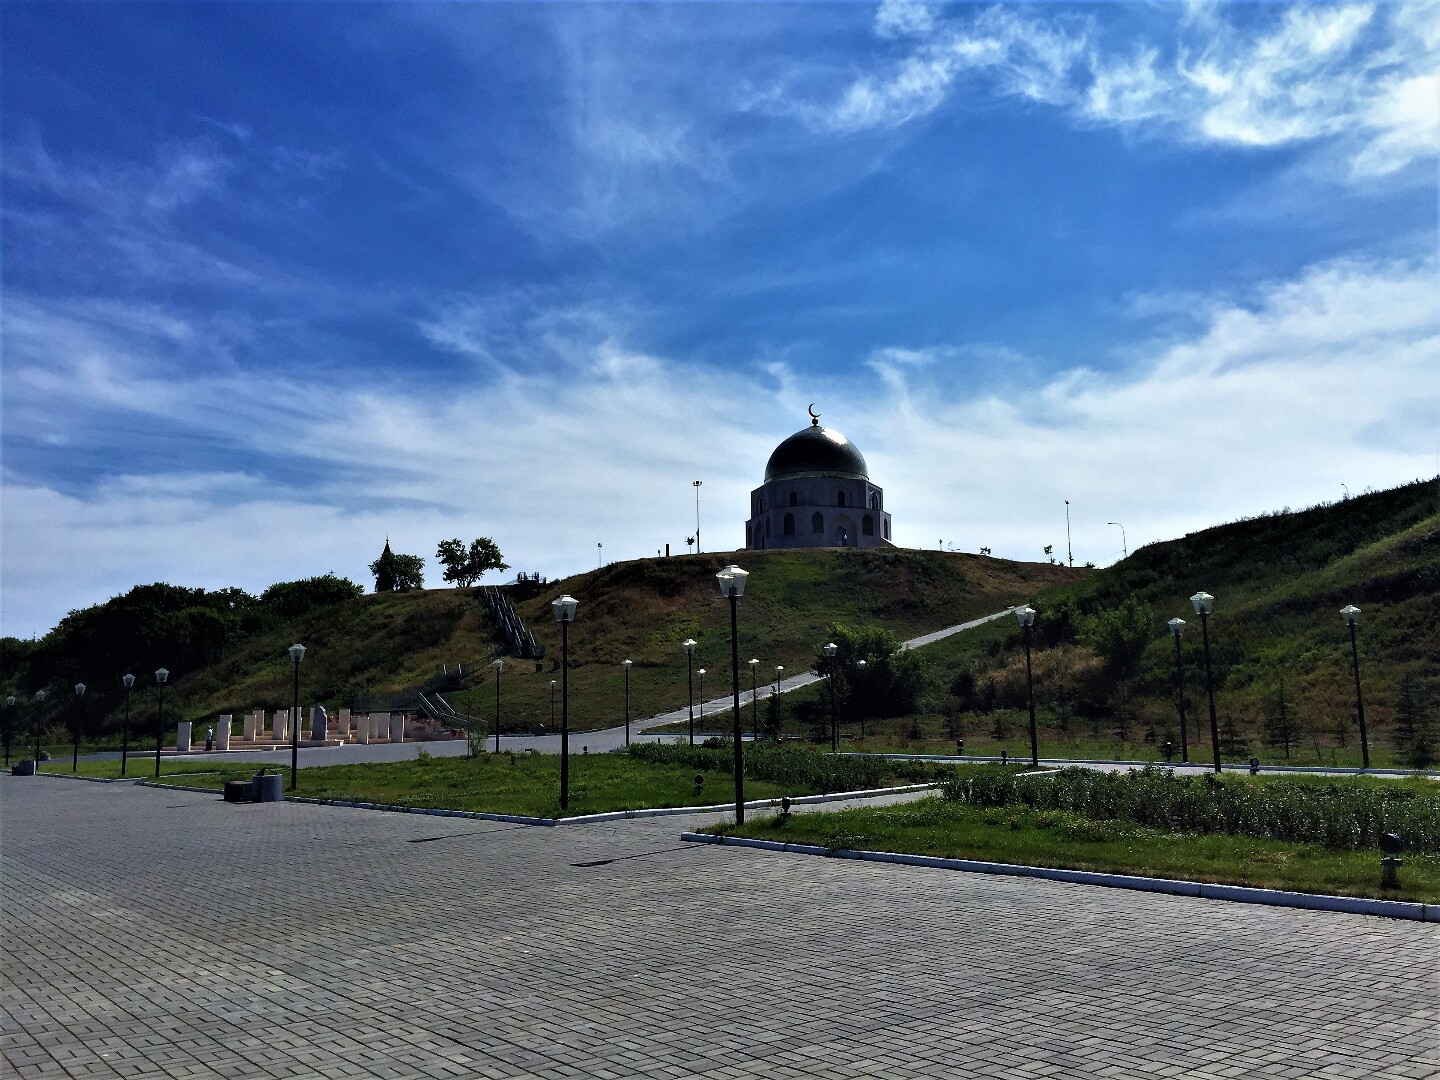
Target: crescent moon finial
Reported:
point(814, 416)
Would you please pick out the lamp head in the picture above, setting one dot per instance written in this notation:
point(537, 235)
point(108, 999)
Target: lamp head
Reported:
point(161, 674)
point(701, 673)
point(732, 581)
point(1025, 616)
point(627, 664)
point(565, 608)
point(497, 663)
point(690, 644)
point(1204, 603)
point(297, 653)
point(1351, 613)
point(860, 664)
point(10, 700)
point(552, 684)
point(754, 664)
point(1177, 626)
point(79, 689)
point(830, 648)
point(40, 695)
point(129, 681)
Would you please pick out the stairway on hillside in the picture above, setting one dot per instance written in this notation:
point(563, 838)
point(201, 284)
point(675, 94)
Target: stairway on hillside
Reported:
point(518, 639)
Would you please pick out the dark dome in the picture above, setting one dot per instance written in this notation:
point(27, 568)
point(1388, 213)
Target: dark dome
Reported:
point(816, 451)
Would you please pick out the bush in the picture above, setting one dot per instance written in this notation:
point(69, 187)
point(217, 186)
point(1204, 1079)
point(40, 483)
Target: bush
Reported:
point(1336, 814)
point(785, 765)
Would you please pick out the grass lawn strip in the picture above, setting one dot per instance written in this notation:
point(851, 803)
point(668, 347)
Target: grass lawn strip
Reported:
point(1020, 836)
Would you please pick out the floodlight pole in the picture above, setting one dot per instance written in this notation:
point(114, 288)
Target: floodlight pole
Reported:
point(129, 681)
point(1352, 616)
point(1180, 689)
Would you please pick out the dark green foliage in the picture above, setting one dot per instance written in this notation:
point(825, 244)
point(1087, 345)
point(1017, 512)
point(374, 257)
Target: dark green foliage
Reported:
point(890, 683)
point(1057, 622)
point(1415, 734)
point(1120, 635)
point(397, 573)
point(291, 599)
point(1337, 814)
point(465, 566)
point(1281, 727)
point(800, 768)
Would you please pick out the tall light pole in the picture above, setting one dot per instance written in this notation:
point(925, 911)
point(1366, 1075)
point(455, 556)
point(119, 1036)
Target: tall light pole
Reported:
point(552, 704)
point(860, 666)
point(40, 725)
point(830, 649)
point(1204, 604)
point(498, 665)
point(565, 614)
point(754, 705)
point(75, 731)
point(690, 644)
point(297, 653)
point(161, 675)
point(1026, 617)
point(697, 517)
point(732, 586)
point(1124, 543)
point(1177, 627)
point(627, 665)
point(599, 555)
point(1351, 614)
point(1069, 552)
point(9, 724)
point(129, 681)
point(701, 673)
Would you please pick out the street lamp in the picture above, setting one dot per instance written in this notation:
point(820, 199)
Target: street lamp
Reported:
point(161, 674)
point(39, 724)
point(690, 644)
point(497, 664)
point(553, 684)
point(701, 673)
point(9, 724)
point(129, 681)
point(859, 693)
point(297, 653)
point(732, 586)
point(1204, 604)
point(1124, 544)
point(1026, 617)
point(830, 649)
point(1177, 627)
point(1351, 614)
point(627, 665)
point(696, 485)
point(75, 730)
point(565, 614)
point(754, 705)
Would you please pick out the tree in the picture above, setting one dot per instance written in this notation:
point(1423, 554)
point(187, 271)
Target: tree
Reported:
point(289, 599)
point(397, 573)
point(465, 566)
point(1281, 728)
point(1120, 635)
point(1415, 735)
point(891, 682)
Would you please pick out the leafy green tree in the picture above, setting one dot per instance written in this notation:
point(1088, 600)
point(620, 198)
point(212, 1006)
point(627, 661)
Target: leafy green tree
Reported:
point(891, 682)
point(397, 573)
point(1057, 623)
point(289, 599)
point(465, 566)
point(1415, 735)
point(1120, 635)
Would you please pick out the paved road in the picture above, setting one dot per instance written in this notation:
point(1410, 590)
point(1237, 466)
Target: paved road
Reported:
point(160, 934)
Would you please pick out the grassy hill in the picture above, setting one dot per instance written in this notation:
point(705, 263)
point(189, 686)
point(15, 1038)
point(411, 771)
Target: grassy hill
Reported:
point(640, 610)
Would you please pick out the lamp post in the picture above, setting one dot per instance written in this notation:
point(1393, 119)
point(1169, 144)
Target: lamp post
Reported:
point(498, 665)
point(129, 681)
point(627, 665)
point(9, 724)
point(754, 705)
point(75, 728)
point(161, 674)
point(1351, 614)
point(1124, 544)
point(830, 649)
point(690, 644)
point(1069, 551)
point(696, 485)
point(732, 586)
point(297, 653)
point(1026, 617)
point(565, 614)
point(859, 693)
point(39, 724)
point(1205, 603)
point(553, 684)
point(701, 673)
point(1177, 627)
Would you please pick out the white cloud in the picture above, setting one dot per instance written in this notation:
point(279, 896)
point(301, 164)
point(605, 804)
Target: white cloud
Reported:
point(1277, 399)
point(1366, 76)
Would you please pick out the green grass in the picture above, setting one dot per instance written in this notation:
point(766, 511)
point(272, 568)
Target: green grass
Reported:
point(1021, 835)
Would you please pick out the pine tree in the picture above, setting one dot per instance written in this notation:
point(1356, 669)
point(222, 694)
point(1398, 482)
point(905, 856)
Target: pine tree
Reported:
point(1281, 728)
point(1415, 736)
point(383, 569)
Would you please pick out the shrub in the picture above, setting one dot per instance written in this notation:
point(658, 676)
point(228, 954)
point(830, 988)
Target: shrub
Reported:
point(785, 765)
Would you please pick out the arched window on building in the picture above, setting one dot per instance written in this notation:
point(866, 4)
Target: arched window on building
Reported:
point(817, 522)
point(874, 500)
point(839, 498)
point(767, 526)
point(867, 526)
point(789, 524)
point(887, 530)
point(794, 499)
point(749, 536)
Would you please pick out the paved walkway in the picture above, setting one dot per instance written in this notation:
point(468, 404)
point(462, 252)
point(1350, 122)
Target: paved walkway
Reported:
point(161, 934)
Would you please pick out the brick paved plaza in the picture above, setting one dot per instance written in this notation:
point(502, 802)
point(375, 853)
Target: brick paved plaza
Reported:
point(155, 933)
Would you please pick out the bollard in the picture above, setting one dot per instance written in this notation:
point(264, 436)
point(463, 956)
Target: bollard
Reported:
point(1254, 766)
point(1168, 750)
point(959, 747)
point(1004, 757)
point(1390, 862)
point(785, 809)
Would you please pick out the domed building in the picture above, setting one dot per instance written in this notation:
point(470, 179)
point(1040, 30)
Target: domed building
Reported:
point(817, 493)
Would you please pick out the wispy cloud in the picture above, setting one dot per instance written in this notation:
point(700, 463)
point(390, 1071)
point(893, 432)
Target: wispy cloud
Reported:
point(1365, 76)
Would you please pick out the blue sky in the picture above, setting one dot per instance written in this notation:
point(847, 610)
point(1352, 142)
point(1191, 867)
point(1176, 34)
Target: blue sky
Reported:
point(281, 280)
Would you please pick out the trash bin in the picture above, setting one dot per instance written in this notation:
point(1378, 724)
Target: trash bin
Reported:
point(23, 768)
point(269, 788)
point(239, 791)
